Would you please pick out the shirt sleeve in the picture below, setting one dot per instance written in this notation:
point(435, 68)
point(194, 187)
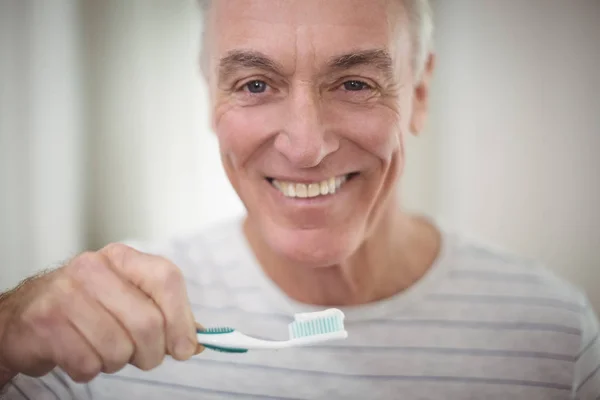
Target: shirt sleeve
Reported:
point(54, 386)
point(586, 383)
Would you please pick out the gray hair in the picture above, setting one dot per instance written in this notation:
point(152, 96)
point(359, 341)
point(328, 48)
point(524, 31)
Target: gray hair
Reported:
point(421, 26)
point(420, 17)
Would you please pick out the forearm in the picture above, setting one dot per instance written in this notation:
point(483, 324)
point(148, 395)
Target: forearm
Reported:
point(5, 375)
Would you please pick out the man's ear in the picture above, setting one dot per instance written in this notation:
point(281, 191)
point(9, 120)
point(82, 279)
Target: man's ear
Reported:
point(421, 97)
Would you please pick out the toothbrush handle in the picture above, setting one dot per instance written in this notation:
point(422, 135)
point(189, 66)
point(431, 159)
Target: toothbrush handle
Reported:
point(237, 341)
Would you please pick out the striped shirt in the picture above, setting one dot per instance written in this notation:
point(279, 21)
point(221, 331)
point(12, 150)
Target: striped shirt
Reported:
point(479, 325)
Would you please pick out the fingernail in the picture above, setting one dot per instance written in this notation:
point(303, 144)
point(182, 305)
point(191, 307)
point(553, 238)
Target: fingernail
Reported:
point(184, 349)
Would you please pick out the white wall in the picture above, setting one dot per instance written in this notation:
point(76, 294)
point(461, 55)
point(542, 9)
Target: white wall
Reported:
point(517, 114)
point(41, 213)
point(154, 161)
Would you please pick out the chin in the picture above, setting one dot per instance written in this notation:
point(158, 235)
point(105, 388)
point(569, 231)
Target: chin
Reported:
point(313, 248)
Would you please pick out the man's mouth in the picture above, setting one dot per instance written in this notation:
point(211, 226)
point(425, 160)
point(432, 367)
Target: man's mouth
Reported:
point(312, 189)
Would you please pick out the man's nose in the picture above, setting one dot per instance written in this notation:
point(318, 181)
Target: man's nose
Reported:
point(305, 139)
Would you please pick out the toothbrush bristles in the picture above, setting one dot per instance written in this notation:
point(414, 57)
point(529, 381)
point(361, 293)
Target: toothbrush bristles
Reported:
point(328, 322)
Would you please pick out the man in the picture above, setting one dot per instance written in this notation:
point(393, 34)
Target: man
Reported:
point(311, 103)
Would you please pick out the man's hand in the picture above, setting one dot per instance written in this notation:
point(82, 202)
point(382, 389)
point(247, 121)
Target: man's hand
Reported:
point(96, 314)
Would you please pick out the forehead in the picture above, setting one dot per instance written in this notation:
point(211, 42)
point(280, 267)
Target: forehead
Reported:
point(305, 28)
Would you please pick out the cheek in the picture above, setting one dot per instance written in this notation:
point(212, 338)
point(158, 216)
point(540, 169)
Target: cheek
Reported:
point(377, 129)
point(241, 131)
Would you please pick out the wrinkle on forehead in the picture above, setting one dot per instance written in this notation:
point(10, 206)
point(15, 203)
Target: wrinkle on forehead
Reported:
point(302, 33)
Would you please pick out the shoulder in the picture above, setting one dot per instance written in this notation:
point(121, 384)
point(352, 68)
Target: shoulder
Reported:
point(543, 311)
point(521, 276)
point(501, 265)
point(491, 283)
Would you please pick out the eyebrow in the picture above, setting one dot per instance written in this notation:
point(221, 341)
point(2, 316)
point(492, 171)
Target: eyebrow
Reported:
point(248, 59)
point(378, 58)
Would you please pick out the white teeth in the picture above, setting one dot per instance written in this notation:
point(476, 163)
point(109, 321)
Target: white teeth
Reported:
point(314, 189)
point(331, 184)
point(303, 190)
point(324, 188)
point(283, 187)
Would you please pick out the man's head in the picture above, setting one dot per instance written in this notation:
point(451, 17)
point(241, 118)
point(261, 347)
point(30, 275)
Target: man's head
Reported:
point(311, 97)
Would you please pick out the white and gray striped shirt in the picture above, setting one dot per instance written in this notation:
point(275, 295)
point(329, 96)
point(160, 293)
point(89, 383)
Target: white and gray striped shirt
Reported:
point(479, 325)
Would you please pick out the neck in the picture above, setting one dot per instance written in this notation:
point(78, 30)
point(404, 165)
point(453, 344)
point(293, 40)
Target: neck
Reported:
point(397, 253)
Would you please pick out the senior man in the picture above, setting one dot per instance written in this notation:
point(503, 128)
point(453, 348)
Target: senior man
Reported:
point(311, 102)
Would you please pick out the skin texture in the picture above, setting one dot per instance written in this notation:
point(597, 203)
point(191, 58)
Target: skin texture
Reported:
point(292, 106)
point(96, 314)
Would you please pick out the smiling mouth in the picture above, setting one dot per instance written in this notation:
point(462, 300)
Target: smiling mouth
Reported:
point(314, 189)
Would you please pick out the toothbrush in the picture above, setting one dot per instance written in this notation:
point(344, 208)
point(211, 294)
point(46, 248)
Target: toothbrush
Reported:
point(307, 329)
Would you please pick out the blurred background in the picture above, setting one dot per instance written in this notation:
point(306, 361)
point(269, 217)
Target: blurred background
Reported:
point(104, 133)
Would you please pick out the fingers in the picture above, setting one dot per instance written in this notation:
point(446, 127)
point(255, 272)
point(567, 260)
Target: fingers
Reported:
point(199, 347)
point(96, 325)
point(163, 282)
point(74, 355)
point(138, 314)
point(50, 339)
point(98, 313)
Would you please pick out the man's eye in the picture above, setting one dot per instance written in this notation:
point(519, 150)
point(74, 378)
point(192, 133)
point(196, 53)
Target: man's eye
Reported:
point(256, 86)
point(356, 86)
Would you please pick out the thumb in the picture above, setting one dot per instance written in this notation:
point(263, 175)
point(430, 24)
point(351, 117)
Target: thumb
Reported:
point(199, 347)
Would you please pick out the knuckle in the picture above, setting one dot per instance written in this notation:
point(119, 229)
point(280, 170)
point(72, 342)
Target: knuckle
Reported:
point(116, 362)
point(147, 364)
point(149, 326)
point(41, 317)
point(85, 368)
point(149, 359)
point(62, 289)
point(118, 251)
point(117, 351)
point(153, 322)
point(86, 258)
point(43, 313)
point(169, 275)
point(84, 264)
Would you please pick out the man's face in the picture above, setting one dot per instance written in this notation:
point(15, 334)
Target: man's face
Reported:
point(311, 102)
